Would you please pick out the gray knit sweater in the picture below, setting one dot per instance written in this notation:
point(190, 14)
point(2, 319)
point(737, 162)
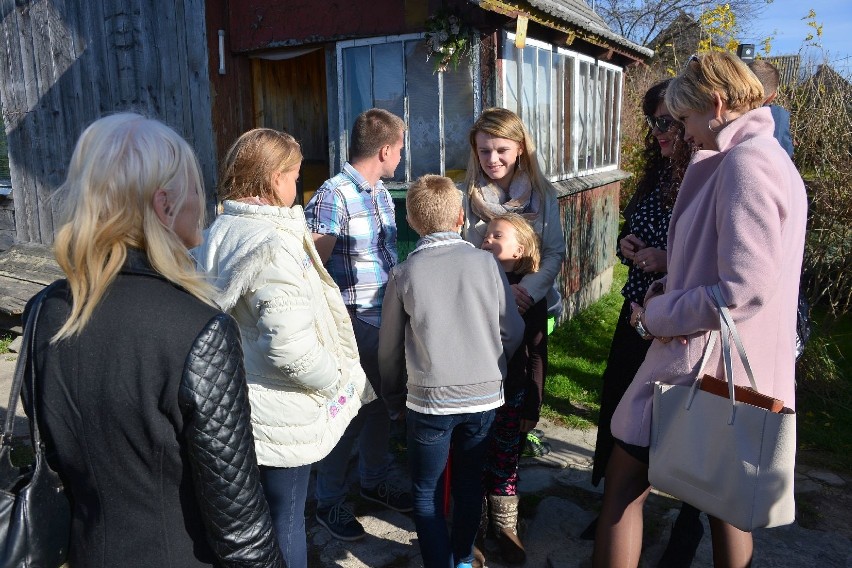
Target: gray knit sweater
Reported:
point(449, 326)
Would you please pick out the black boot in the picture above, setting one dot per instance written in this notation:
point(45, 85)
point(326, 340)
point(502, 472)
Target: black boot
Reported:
point(686, 535)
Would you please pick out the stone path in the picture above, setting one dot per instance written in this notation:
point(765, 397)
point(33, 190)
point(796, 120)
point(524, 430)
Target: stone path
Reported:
point(557, 504)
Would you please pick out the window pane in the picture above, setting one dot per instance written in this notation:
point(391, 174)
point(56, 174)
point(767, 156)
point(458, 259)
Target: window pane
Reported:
point(510, 70)
point(556, 117)
point(528, 87)
point(458, 119)
point(424, 134)
point(357, 79)
point(568, 114)
point(388, 85)
point(388, 77)
point(543, 108)
point(584, 115)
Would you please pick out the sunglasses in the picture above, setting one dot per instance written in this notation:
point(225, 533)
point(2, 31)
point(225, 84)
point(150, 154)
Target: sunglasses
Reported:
point(662, 123)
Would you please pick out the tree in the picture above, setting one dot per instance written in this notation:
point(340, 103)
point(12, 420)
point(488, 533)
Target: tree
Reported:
point(641, 21)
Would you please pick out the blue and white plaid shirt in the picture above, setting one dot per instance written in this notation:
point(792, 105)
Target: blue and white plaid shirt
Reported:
point(362, 219)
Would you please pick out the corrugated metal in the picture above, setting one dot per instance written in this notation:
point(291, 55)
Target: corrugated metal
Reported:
point(574, 12)
point(788, 69)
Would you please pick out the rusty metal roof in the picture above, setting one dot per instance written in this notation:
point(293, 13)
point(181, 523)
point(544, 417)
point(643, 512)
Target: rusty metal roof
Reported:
point(576, 13)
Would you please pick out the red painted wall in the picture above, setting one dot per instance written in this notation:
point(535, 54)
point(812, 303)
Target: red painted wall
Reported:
point(260, 24)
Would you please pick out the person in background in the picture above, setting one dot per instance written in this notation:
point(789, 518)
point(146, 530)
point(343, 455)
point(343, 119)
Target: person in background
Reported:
point(513, 242)
point(768, 76)
point(642, 247)
point(443, 363)
point(305, 382)
point(142, 396)
point(739, 223)
point(352, 220)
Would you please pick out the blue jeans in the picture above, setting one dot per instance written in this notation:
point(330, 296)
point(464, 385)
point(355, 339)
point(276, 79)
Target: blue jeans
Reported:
point(286, 489)
point(370, 428)
point(429, 444)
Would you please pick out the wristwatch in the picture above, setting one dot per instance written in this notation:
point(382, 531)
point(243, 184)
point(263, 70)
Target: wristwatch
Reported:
point(640, 329)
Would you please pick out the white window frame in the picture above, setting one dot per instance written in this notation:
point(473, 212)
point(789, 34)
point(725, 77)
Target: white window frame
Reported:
point(343, 128)
point(608, 147)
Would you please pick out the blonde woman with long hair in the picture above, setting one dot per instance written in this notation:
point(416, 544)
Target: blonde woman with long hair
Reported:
point(503, 177)
point(136, 368)
point(305, 381)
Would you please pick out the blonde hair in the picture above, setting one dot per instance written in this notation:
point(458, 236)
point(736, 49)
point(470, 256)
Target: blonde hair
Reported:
point(252, 161)
point(118, 164)
point(714, 72)
point(530, 260)
point(503, 123)
point(433, 204)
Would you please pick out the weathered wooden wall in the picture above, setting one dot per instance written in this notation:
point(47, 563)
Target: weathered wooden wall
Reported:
point(64, 64)
point(590, 221)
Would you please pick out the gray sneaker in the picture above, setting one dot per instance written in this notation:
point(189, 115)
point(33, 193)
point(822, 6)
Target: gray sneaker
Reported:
point(391, 497)
point(340, 522)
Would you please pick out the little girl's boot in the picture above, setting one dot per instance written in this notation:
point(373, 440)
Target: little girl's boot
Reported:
point(504, 518)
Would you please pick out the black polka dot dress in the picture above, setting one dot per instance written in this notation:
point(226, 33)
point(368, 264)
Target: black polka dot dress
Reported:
point(649, 222)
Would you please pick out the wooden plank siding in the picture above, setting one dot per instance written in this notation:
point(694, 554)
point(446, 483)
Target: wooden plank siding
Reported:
point(64, 64)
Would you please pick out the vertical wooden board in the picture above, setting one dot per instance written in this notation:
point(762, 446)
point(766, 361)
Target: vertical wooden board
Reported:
point(201, 107)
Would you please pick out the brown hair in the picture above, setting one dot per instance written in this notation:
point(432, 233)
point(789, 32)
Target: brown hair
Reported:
point(433, 204)
point(767, 74)
point(253, 160)
point(527, 238)
point(714, 72)
point(373, 130)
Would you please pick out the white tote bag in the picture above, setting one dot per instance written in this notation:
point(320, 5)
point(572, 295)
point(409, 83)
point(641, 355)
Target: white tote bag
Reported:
point(730, 459)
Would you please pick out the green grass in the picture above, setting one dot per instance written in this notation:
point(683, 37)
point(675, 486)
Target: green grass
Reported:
point(577, 357)
point(577, 353)
point(5, 339)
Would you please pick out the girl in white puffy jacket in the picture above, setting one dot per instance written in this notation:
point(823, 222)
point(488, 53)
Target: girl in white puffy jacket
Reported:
point(305, 380)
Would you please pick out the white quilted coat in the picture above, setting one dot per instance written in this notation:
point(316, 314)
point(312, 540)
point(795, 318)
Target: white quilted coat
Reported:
point(305, 380)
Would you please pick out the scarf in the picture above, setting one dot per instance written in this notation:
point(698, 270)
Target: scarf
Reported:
point(488, 200)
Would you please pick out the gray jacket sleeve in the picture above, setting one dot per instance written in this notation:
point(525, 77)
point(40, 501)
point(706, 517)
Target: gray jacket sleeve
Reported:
point(511, 323)
point(392, 350)
point(213, 398)
point(552, 251)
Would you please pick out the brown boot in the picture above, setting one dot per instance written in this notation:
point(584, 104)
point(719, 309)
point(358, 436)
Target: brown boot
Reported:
point(504, 519)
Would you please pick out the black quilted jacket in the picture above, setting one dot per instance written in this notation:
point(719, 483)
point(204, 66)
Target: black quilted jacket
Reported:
point(147, 421)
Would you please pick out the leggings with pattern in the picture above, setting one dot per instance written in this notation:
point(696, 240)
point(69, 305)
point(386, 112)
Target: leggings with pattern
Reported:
point(501, 465)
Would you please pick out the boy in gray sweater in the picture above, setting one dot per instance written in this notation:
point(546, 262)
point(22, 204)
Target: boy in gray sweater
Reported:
point(449, 326)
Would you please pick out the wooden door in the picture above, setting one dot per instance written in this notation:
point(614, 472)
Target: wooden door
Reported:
point(290, 95)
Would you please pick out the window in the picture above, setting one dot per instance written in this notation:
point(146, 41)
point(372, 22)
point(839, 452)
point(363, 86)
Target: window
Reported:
point(439, 108)
point(570, 103)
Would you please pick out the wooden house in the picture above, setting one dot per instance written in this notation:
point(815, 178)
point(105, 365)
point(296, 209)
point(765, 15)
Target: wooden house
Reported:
point(215, 68)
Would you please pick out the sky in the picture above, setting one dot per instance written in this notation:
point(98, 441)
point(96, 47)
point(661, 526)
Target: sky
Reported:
point(782, 19)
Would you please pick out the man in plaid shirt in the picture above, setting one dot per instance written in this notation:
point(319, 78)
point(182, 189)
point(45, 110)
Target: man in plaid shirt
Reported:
point(352, 220)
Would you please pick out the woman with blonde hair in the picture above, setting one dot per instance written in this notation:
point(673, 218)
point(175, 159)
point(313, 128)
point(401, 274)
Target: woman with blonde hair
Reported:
point(136, 369)
point(305, 381)
point(739, 223)
point(503, 176)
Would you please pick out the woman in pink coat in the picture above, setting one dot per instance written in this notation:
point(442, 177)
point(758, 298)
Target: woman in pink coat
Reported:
point(739, 222)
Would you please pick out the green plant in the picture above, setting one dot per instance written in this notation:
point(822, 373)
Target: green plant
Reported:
point(5, 339)
point(448, 40)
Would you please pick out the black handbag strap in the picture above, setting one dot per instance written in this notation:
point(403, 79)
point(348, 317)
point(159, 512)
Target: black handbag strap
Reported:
point(25, 358)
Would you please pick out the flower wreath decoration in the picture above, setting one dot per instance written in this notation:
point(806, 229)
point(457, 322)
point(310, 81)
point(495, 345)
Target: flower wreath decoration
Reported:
point(448, 40)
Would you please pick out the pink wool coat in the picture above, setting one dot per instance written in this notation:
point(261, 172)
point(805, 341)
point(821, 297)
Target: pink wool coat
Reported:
point(739, 221)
